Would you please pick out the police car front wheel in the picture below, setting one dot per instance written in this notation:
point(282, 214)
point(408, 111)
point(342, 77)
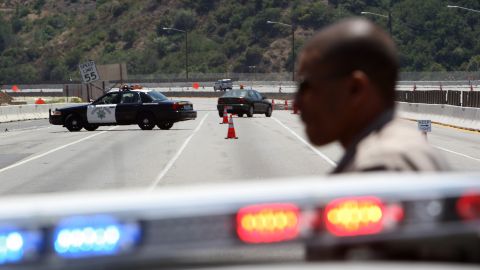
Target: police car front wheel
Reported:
point(73, 123)
point(146, 121)
point(165, 125)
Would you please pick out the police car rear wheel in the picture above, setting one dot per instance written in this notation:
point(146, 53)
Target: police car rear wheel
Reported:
point(165, 126)
point(146, 122)
point(91, 127)
point(73, 123)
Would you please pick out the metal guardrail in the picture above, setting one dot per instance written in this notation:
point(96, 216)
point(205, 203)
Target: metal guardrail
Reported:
point(417, 77)
point(455, 98)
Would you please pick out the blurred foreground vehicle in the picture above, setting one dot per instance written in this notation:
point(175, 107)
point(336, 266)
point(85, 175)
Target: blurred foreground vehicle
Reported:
point(368, 217)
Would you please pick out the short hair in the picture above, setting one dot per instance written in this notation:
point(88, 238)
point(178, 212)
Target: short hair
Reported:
point(373, 53)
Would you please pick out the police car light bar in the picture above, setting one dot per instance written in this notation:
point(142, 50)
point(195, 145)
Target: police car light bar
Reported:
point(113, 226)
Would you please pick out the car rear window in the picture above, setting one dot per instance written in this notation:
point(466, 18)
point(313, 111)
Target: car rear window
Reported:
point(155, 95)
point(236, 93)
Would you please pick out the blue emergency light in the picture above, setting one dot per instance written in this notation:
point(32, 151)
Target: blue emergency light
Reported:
point(17, 245)
point(87, 236)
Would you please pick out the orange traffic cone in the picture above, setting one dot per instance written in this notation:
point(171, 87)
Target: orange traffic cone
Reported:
point(225, 116)
point(286, 105)
point(39, 101)
point(231, 129)
point(295, 108)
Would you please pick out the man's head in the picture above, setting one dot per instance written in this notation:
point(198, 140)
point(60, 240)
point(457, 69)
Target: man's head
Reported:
point(347, 78)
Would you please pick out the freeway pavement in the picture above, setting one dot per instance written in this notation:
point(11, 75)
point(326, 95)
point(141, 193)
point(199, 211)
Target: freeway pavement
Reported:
point(37, 158)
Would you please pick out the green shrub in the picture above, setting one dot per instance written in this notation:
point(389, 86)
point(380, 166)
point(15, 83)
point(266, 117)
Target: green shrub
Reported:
point(129, 38)
point(75, 100)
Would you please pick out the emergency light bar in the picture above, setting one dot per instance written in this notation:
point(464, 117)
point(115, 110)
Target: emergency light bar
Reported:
point(113, 227)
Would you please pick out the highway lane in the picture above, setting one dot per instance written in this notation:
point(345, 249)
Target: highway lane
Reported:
point(265, 149)
point(125, 156)
point(36, 157)
point(461, 148)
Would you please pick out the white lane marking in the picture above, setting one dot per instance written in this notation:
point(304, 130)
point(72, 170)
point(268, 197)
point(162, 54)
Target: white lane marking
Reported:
point(52, 151)
point(456, 153)
point(327, 159)
point(176, 156)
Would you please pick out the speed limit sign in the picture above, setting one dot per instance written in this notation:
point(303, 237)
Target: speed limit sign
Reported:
point(89, 72)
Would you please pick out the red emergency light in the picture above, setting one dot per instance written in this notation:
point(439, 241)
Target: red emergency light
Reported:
point(268, 223)
point(468, 206)
point(354, 216)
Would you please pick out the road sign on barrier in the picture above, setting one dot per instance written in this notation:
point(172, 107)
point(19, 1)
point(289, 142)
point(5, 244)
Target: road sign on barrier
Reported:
point(89, 72)
point(425, 125)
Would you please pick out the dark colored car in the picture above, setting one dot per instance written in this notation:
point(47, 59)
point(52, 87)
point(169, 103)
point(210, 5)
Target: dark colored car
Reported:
point(243, 101)
point(146, 108)
point(223, 85)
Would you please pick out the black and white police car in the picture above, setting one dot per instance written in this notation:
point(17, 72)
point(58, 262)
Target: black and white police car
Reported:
point(127, 106)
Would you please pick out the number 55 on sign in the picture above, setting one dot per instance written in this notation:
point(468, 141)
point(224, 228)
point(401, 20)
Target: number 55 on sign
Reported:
point(88, 71)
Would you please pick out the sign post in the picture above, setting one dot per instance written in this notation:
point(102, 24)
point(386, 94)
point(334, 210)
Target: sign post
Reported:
point(425, 126)
point(89, 72)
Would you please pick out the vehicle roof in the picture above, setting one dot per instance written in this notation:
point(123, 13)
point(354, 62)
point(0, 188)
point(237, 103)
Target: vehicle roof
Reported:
point(196, 203)
point(133, 90)
point(229, 194)
point(238, 89)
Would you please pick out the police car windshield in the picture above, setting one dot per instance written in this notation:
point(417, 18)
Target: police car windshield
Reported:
point(236, 93)
point(155, 95)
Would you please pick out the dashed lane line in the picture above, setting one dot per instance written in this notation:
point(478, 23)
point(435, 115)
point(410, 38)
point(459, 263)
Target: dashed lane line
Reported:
point(327, 159)
point(176, 156)
point(456, 153)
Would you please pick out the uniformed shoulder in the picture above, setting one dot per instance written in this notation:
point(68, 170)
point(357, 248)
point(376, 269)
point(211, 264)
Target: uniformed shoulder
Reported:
point(397, 146)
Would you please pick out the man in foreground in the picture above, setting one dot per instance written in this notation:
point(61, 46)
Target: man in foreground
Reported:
point(348, 74)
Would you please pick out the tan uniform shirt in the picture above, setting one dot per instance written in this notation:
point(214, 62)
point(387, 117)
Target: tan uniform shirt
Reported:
point(390, 144)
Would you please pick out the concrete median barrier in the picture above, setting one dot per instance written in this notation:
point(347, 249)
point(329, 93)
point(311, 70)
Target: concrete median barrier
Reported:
point(28, 112)
point(461, 117)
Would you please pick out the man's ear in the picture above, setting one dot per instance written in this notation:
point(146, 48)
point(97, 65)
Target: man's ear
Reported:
point(359, 87)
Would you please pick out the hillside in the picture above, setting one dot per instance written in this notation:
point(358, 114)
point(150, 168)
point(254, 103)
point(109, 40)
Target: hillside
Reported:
point(44, 40)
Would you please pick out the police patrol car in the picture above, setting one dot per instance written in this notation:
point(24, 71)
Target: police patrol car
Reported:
point(127, 106)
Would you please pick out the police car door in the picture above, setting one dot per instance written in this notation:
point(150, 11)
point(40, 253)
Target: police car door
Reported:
point(102, 111)
point(127, 108)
